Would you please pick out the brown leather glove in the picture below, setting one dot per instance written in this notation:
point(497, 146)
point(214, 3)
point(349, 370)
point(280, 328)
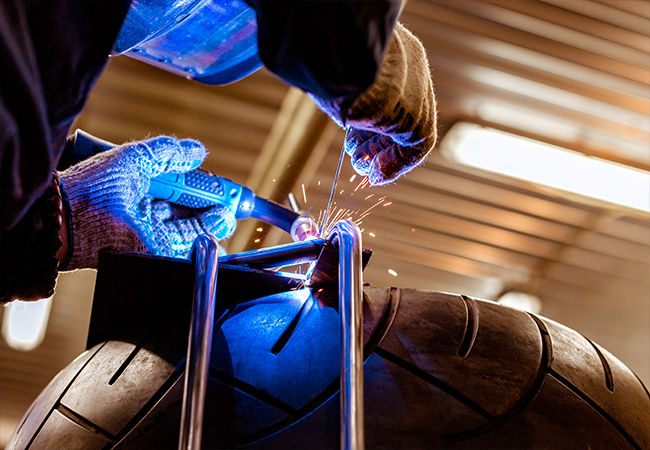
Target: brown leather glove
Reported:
point(392, 125)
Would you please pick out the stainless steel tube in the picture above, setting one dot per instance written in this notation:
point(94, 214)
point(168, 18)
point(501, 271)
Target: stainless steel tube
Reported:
point(351, 312)
point(205, 253)
point(279, 256)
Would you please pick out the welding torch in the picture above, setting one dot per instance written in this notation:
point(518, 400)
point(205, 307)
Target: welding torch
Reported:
point(199, 188)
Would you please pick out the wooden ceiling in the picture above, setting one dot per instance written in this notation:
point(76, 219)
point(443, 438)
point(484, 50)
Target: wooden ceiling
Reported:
point(569, 72)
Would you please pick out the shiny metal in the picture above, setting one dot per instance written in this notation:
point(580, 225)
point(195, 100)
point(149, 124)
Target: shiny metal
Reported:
point(351, 312)
point(279, 256)
point(205, 252)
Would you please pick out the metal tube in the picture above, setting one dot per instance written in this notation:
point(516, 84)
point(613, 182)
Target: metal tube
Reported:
point(281, 255)
point(205, 252)
point(351, 313)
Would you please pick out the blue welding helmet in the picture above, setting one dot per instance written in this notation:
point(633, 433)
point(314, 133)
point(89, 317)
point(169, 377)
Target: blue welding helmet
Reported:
point(210, 41)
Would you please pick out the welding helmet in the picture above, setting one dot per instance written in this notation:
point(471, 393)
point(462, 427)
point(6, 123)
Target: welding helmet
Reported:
point(210, 41)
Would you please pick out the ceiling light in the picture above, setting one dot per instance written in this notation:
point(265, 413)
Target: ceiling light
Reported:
point(521, 301)
point(24, 323)
point(548, 165)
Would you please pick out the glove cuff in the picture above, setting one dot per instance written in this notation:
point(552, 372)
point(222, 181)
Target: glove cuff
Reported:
point(95, 225)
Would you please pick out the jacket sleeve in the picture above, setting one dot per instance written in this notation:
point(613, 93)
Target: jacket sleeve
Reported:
point(331, 49)
point(51, 54)
point(26, 156)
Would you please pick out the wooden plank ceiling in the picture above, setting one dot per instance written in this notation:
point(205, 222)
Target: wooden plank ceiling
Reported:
point(569, 72)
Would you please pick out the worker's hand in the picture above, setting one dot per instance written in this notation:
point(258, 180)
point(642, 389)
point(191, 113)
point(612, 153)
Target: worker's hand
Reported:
point(392, 125)
point(110, 208)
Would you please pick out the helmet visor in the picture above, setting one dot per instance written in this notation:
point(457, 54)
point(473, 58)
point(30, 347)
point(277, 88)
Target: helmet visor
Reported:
point(213, 41)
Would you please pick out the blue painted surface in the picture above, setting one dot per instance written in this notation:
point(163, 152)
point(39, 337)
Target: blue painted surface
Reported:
point(307, 364)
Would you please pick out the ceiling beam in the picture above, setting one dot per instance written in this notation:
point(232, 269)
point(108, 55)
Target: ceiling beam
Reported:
point(291, 154)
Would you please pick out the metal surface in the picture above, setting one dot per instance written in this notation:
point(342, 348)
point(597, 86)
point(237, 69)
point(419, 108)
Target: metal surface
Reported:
point(470, 230)
point(206, 258)
point(351, 313)
point(279, 256)
point(502, 392)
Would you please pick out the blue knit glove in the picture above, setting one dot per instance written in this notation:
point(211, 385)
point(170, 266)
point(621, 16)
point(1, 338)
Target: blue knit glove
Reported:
point(110, 207)
point(392, 125)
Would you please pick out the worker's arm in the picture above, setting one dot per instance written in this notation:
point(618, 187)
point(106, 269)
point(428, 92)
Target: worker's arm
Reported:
point(109, 206)
point(331, 49)
point(367, 72)
point(51, 54)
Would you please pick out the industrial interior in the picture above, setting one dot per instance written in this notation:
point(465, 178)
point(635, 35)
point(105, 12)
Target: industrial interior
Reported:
point(571, 73)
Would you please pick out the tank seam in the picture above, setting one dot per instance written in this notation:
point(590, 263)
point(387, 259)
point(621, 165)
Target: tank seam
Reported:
point(471, 327)
point(58, 400)
point(150, 404)
point(609, 378)
point(86, 424)
point(584, 397)
point(525, 399)
point(434, 381)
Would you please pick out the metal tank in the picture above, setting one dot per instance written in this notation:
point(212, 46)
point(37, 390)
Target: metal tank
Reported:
point(440, 370)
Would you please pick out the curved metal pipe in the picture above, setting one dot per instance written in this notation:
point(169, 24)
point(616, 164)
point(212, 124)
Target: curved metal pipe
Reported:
point(351, 314)
point(278, 256)
point(205, 252)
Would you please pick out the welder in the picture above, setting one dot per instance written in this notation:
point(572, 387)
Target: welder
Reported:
point(360, 66)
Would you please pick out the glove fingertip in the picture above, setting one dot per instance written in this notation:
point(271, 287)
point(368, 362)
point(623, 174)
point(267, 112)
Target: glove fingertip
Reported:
point(173, 155)
point(219, 221)
point(162, 210)
point(377, 178)
point(195, 152)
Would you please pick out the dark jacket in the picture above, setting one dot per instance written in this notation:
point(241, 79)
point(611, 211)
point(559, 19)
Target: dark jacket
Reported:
point(53, 51)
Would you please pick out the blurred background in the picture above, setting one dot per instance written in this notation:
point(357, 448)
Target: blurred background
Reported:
point(573, 73)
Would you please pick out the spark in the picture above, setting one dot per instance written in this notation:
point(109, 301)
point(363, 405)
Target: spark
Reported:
point(274, 180)
point(367, 211)
point(392, 272)
point(319, 182)
point(329, 202)
point(260, 229)
point(337, 214)
point(362, 184)
point(413, 230)
point(257, 240)
point(304, 196)
point(328, 218)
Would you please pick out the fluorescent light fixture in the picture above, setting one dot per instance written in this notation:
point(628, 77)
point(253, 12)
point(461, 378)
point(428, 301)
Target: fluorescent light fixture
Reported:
point(24, 323)
point(521, 301)
point(548, 165)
